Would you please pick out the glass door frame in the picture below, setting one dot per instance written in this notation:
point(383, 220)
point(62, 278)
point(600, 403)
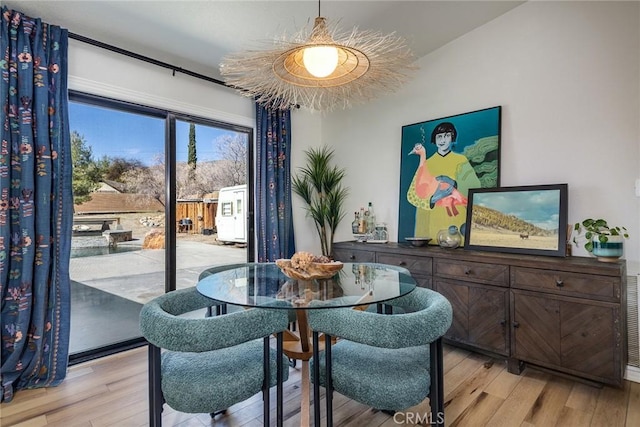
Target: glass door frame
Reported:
point(170, 195)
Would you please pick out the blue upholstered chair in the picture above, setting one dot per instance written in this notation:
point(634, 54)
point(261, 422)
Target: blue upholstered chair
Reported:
point(387, 361)
point(214, 362)
point(222, 308)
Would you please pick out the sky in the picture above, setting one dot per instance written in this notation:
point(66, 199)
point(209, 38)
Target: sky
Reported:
point(536, 207)
point(116, 133)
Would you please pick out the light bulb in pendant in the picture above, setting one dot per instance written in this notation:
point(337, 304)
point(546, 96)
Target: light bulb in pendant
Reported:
point(320, 61)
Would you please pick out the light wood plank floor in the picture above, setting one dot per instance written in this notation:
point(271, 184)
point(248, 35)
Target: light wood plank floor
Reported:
point(112, 391)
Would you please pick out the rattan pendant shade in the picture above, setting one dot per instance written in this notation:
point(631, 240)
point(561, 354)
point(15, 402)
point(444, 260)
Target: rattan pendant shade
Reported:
point(368, 63)
point(352, 64)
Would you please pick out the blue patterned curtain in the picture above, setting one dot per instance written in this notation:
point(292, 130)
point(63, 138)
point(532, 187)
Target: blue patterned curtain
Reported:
point(273, 184)
point(36, 206)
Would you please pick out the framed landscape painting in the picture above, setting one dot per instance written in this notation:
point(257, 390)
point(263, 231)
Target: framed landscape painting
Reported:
point(528, 219)
point(441, 160)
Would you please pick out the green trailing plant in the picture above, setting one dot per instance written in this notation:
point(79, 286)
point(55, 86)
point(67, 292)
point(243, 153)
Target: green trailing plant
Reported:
point(592, 228)
point(319, 184)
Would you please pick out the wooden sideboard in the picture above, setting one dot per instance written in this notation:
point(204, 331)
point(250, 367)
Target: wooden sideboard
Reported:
point(567, 315)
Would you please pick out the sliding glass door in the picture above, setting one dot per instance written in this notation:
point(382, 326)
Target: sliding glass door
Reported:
point(146, 185)
point(212, 228)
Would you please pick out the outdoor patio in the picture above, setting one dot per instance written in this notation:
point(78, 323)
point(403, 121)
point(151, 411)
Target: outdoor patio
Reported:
point(108, 289)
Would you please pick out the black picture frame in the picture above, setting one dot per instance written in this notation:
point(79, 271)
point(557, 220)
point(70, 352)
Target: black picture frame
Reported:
point(529, 219)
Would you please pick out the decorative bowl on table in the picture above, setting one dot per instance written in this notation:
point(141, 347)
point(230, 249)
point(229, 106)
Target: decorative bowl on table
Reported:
point(418, 241)
point(310, 270)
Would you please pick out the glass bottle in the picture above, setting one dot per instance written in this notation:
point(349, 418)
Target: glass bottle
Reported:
point(371, 221)
point(362, 225)
point(355, 224)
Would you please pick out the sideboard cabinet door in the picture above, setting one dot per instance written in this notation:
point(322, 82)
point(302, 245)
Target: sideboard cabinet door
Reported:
point(572, 335)
point(488, 316)
point(591, 340)
point(536, 329)
point(479, 315)
point(458, 296)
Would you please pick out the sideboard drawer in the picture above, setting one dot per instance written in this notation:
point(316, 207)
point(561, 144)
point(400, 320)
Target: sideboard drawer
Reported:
point(415, 264)
point(354, 255)
point(491, 274)
point(606, 288)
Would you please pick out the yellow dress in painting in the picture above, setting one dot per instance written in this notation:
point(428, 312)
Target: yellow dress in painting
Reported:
point(432, 216)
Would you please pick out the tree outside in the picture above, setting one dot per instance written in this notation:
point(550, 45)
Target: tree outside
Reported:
point(192, 156)
point(232, 168)
point(148, 180)
point(229, 170)
point(87, 173)
point(192, 182)
point(115, 167)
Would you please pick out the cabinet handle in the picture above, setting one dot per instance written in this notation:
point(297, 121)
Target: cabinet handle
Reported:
point(352, 257)
point(402, 263)
point(516, 324)
point(559, 283)
point(467, 271)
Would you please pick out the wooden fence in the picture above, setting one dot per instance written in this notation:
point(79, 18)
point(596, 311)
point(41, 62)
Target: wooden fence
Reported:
point(201, 213)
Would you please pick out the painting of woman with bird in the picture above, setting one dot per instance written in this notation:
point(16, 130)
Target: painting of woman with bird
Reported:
point(438, 170)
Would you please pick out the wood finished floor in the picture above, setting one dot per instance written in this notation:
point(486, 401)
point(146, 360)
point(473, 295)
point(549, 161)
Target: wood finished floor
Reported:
point(112, 391)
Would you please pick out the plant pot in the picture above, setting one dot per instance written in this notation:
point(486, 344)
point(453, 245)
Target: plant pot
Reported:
point(609, 251)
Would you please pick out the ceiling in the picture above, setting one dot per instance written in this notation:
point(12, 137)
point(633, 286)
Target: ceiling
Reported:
point(195, 35)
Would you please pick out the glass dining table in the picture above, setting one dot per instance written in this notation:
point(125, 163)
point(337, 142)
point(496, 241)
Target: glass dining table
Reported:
point(264, 285)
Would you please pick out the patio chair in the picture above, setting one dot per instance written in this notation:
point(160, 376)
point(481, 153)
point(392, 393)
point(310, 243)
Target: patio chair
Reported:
point(390, 362)
point(211, 363)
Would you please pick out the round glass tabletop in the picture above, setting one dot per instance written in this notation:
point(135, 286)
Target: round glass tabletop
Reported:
point(265, 285)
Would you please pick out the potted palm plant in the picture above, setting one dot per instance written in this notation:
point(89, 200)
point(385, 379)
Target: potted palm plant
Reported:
point(601, 239)
point(319, 183)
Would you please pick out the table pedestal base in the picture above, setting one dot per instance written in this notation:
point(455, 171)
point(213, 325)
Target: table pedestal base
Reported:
point(298, 346)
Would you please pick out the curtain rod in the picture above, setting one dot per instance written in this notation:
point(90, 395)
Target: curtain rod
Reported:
point(144, 58)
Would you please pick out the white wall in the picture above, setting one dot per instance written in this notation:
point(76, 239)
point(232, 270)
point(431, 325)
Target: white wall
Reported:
point(567, 75)
point(101, 72)
point(306, 133)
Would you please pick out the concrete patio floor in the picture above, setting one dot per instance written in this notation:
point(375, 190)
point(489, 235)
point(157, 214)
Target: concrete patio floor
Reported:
point(139, 275)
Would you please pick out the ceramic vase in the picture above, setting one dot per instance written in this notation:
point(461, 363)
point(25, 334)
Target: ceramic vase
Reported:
point(609, 251)
point(450, 238)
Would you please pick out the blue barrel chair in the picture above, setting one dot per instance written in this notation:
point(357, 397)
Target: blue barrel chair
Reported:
point(210, 363)
point(390, 362)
